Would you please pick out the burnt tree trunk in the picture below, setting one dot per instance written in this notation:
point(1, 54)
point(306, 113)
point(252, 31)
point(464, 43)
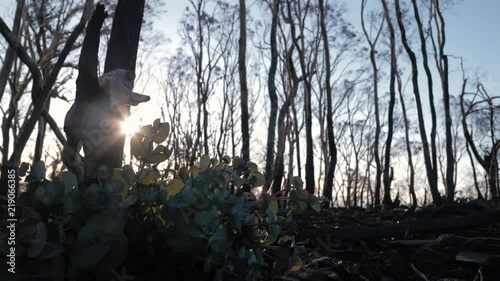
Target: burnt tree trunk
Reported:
point(122, 53)
point(273, 99)
point(93, 121)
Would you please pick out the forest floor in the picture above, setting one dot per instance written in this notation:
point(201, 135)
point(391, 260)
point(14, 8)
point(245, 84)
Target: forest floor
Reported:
point(453, 242)
point(457, 242)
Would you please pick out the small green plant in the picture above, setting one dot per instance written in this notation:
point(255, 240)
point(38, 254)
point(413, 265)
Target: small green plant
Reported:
point(209, 210)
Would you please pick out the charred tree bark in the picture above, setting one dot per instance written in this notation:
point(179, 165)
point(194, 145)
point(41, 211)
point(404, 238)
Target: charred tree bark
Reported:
point(273, 98)
point(41, 88)
point(332, 148)
point(428, 159)
point(284, 128)
point(411, 184)
point(489, 162)
point(122, 54)
point(442, 65)
point(373, 60)
point(245, 132)
point(10, 55)
point(310, 185)
point(430, 90)
point(390, 119)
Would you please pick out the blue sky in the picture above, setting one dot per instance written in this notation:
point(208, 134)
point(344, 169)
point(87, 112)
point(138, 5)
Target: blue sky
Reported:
point(472, 28)
point(472, 31)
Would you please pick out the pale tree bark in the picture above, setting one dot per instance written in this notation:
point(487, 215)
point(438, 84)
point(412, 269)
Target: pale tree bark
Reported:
point(430, 164)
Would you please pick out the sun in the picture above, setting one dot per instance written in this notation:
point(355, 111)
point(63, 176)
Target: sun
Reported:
point(129, 126)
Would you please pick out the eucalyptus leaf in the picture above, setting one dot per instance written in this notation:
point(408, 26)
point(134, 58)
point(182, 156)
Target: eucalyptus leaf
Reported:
point(155, 158)
point(162, 132)
point(67, 179)
point(37, 172)
point(204, 162)
point(146, 130)
point(51, 251)
point(174, 187)
point(90, 255)
point(208, 221)
point(23, 169)
point(57, 268)
point(39, 241)
point(136, 148)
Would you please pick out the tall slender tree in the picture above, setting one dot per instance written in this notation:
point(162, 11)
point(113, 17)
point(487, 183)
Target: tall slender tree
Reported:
point(245, 132)
point(429, 159)
point(388, 171)
point(376, 153)
point(273, 98)
point(332, 148)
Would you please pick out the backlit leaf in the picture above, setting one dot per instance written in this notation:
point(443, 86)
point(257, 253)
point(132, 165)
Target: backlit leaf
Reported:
point(204, 162)
point(296, 264)
point(162, 133)
point(174, 187)
point(136, 148)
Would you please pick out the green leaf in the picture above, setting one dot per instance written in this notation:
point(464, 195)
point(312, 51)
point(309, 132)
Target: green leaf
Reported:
point(296, 263)
point(51, 251)
point(208, 221)
point(23, 169)
point(204, 162)
point(146, 177)
point(194, 171)
point(273, 206)
point(146, 130)
point(39, 241)
point(257, 179)
point(226, 159)
point(242, 252)
point(238, 182)
point(315, 204)
point(162, 133)
point(286, 240)
point(48, 193)
point(298, 200)
point(155, 158)
point(90, 255)
point(129, 201)
point(68, 180)
point(184, 174)
point(136, 147)
point(219, 241)
point(297, 183)
point(174, 187)
point(57, 268)
point(37, 172)
point(182, 243)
